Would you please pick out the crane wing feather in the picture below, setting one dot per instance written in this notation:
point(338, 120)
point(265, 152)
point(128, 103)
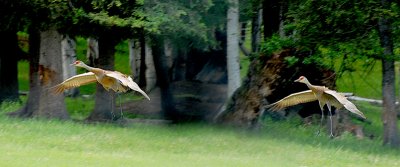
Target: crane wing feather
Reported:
point(293, 99)
point(75, 81)
point(345, 103)
point(127, 81)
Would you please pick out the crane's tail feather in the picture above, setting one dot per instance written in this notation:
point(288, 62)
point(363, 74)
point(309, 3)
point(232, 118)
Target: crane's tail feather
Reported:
point(136, 87)
point(352, 108)
point(143, 93)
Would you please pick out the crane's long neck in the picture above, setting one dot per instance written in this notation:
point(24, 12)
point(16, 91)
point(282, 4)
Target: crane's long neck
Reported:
point(86, 67)
point(97, 71)
point(309, 85)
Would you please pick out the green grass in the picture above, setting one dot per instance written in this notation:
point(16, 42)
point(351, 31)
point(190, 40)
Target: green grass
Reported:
point(35, 142)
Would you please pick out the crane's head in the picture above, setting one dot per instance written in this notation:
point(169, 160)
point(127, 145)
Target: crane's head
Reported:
point(301, 79)
point(78, 63)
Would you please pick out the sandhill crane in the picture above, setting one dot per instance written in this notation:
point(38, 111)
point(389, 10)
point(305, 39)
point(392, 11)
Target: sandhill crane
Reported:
point(320, 93)
point(114, 80)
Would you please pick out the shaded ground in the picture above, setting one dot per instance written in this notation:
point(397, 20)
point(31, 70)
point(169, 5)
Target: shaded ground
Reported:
point(195, 100)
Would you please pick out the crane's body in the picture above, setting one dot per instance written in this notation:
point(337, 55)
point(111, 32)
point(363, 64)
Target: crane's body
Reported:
point(114, 80)
point(324, 96)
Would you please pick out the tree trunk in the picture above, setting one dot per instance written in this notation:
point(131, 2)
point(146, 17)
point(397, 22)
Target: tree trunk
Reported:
point(32, 105)
point(104, 107)
point(69, 56)
point(282, 17)
point(92, 52)
point(271, 15)
point(233, 65)
point(151, 77)
point(143, 67)
point(45, 72)
point(163, 78)
point(50, 70)
point(9, 66)
point(134, 59)
point(179, 70)
point(389, 115)
point(256, 30)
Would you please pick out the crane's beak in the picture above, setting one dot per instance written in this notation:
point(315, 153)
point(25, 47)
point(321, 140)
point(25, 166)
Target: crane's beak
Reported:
point(297, 80)
point(72, 64)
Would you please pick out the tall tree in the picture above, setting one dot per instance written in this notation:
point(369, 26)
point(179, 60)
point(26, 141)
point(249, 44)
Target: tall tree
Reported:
point(233, 47)
point(104, 107)
point(163, 78)
point(389, 115)
point(51, 73)
point(11, 21)
point(10, 53)
point(271, 17)
point(45, 53)
point(32, 105)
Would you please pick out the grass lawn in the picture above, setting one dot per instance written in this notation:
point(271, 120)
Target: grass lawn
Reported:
point(34, 142)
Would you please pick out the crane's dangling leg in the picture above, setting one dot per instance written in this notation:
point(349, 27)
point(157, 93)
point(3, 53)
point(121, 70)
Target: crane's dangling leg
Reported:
point(321, 106)
point(330, 117)
point(112, 106)
point(120, 106)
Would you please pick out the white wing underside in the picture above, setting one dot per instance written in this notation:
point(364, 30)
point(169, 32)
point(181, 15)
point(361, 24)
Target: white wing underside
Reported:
point(345, 103)
point(127, 82)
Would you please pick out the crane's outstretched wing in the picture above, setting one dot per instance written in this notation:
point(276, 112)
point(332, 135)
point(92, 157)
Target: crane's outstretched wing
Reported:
point(293, 99)
point(346, 103)
point(75, 81)
point(127, 81)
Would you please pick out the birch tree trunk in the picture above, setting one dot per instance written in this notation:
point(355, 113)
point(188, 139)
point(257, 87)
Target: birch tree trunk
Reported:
point(92, 52)
point(151, 77)
point(69, 56)
point(50, 74)
point(389, 115)
point(233, 47)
